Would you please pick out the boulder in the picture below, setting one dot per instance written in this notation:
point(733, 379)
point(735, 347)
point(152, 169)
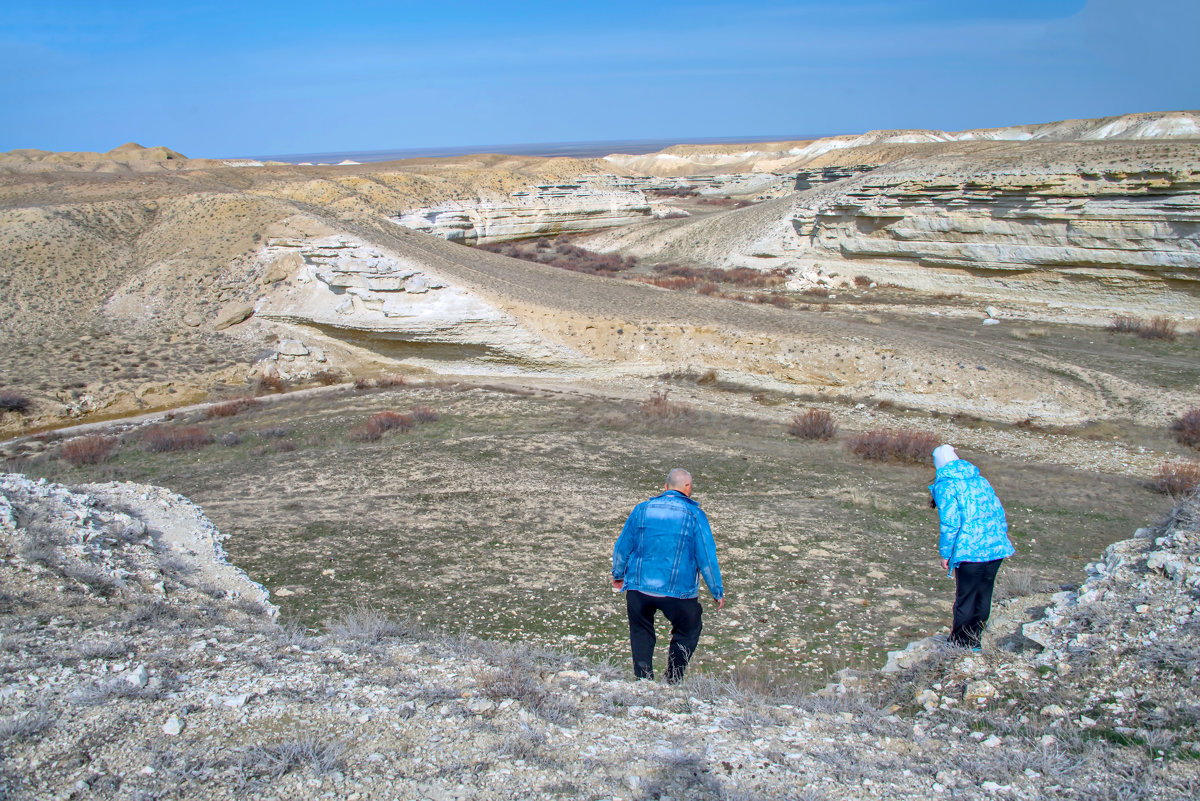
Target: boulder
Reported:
point(292, 347)
point(232, 314)
point(283, 267)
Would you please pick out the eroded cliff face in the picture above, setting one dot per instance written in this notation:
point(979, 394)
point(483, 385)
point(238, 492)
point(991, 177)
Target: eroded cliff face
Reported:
point(1105, 227)
point(547, 209)
point(1093, 220)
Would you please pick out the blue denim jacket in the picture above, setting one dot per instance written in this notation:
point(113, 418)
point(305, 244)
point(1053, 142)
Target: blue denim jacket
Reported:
point(973, 526)
point(665, 546)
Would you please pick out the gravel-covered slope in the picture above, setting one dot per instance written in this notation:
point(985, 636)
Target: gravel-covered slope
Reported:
point(126, 673)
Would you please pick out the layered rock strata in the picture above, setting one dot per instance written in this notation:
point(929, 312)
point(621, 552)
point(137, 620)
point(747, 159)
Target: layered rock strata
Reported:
point(542, 210)
point(352, 291)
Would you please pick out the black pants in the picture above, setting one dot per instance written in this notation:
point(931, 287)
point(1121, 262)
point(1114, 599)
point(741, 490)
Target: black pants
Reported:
point(973, 582)
point(684, 615)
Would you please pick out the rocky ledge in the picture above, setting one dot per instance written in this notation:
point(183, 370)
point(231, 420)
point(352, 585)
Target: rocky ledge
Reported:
point(130, 669)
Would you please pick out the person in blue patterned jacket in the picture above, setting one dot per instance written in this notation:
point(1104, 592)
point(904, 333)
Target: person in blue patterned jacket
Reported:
point(973, 542)
point(664, 548)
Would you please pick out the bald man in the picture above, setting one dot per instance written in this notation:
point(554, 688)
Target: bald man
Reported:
point(664, 549)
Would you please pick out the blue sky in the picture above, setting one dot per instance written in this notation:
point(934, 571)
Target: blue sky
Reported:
point(258, 78)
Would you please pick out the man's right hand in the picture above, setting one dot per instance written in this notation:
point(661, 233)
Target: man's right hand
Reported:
point(618, 583)
point(720, 603)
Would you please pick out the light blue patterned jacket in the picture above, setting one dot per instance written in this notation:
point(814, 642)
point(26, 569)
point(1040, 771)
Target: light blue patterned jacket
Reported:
point(664, 548)
point(973, 526)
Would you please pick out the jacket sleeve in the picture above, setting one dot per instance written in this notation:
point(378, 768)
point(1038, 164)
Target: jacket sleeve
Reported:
point(706, 556)
point(949, 517)
point(624, 545)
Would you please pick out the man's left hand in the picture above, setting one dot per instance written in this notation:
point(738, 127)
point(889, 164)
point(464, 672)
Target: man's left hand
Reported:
point(618, 583)
point(945, 564)
point(720, 603)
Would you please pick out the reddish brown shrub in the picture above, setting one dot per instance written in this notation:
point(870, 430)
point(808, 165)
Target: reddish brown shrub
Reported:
point(1155, 328)
point(380, 423)
point(813, 424)
point(231, 407)
point(1178, 478)
point(894, 445)
point(1187, 428)
point(87, 450)
point(363, 383)
point(862, 281)
point(660, 407)
point(386, 381)
point(161, 439)
point(563, 255)
point(271, 383)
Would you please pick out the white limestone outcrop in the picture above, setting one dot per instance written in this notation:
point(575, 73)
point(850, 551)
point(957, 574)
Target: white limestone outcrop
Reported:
point(354, 291)
point(592, 203)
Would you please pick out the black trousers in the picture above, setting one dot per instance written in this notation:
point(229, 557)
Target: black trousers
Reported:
point(973, 583)
point(684, 615)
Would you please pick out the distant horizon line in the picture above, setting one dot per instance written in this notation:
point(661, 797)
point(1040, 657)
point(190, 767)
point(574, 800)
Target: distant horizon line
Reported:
point(569, 149)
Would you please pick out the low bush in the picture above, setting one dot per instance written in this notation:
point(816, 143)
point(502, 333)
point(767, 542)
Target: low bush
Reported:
point(382, 422)
point(1187, 428)
point(363, 383)
point(328, 378)
point(660, 407)
point(14, 402)
point(1154, 328)
point(303, 752)
point(894, 445)
point(562, 254)
point(1177, 478)
point(162, 439)
point(231, 407)
point(87, 450)
point(270, 383)
point(813, 424)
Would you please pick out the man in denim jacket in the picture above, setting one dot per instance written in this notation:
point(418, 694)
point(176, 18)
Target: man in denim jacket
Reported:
point(665, 546)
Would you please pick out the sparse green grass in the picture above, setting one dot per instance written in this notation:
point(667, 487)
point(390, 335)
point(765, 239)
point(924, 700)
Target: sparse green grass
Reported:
point(498, 520)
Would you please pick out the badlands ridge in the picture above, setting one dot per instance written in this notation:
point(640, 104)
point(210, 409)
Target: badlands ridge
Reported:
point(138, 279)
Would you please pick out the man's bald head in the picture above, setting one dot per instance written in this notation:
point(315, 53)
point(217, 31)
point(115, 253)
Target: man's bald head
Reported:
point(681, 480)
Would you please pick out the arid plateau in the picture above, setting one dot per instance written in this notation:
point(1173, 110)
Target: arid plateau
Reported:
point(311, 473)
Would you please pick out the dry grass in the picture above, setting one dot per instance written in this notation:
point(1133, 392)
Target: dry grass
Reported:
point(659, 407)
point(328, 378)
point(1177, 478)
point(813, 424)
point(424, 414)
point(1155, 328)
point(1187, 428)
point(894, 445)
point(162, 439)
point(13, 402)
point(87, 450)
